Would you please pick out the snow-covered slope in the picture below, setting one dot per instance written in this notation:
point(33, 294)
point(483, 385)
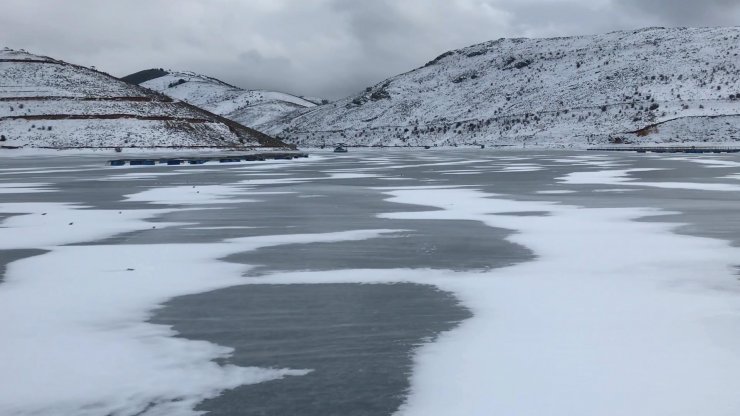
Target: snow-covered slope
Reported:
point(252, 108)
point(49, 103)
point(647, 86)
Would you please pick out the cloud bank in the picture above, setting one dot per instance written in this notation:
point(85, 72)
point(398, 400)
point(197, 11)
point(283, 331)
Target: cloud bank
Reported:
point(325, 48)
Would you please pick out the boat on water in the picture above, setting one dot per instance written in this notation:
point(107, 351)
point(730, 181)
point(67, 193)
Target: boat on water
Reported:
point(340, 148)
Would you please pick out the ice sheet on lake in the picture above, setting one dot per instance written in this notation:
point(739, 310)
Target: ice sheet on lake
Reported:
point(25, 188)
point(610, 320)
point(75, 336)
point(614, 317)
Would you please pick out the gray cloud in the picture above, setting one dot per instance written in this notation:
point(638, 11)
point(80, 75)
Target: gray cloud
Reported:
point(327, 48)
point(687, 12)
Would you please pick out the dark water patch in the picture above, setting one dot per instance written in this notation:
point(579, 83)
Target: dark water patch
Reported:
point(358, 340)
point(457, 245)
point(703, 214)
point(90, 193)
point(9, 256)
point(448, 245)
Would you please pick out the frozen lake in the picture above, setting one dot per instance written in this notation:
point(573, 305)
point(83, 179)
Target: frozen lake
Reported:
point(372, 283)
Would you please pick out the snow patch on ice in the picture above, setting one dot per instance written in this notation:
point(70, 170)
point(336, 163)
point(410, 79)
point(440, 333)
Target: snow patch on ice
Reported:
point(556, 192)
point(711, 163)
point(462, 172)
point(140, 176)
point(347, 175)
point(621, 177)
point(39, 225)
point(520, 168)
point(192, 195)
point(223, 228)
point(615, 191)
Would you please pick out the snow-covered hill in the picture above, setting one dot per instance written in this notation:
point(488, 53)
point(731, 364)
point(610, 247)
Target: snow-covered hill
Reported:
point(49, 103)
point(648, 86)
point(253, 108)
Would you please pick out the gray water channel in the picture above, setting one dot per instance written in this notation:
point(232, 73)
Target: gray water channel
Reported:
point(359, 340)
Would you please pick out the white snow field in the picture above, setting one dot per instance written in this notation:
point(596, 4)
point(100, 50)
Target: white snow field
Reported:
point(252, 108)
point(667, 86)
point(48, 103)
point(616, 314)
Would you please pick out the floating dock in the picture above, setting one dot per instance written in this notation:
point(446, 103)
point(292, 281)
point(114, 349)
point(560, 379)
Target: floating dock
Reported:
point(668, 149)
point(199, 160)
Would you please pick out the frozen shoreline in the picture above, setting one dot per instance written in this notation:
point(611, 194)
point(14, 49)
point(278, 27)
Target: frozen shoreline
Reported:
point(615, 315)
point(141, 151)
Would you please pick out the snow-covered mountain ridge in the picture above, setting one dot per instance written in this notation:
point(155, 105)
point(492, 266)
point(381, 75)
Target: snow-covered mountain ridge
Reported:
point(50, 103)
point(252, 108)
point(647, 86)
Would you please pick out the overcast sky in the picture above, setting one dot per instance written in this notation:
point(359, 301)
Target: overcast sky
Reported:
point(325, 48)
